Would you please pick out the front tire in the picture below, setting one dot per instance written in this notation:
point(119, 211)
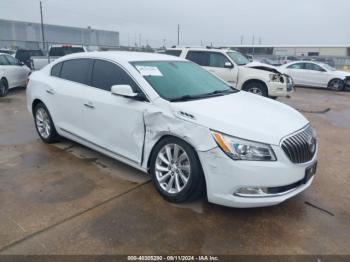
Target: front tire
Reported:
point(256, 88)
point(3, 88)
point(44, 124)
point(176, 171)
point(336, 84)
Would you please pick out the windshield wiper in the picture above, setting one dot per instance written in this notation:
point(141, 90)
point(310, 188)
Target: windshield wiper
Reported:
point(206, 95)
point(185, 98)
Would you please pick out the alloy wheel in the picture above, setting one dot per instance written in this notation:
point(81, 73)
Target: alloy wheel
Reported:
point(172, 168)
point(43, 123)
point(336, 84)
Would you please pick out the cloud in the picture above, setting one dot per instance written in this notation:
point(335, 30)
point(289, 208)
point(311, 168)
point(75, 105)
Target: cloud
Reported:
point(222, 22)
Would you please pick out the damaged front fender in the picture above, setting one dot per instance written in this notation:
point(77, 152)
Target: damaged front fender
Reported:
point(159, 124)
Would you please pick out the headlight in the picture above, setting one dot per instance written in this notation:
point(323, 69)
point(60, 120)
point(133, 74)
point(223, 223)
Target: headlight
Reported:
point(239, 149)
point(276, 78)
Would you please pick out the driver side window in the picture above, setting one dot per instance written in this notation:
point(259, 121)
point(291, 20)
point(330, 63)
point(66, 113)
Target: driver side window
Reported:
point(314, 67)
point(296, 66)
point(217, 60)
point(11, 60)
point(106, 74)
point(3, 60)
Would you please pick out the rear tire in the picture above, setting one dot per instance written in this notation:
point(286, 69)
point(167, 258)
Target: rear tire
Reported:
point(257, 88)
point(336, 85)
point(44, 124)
point(3, 88)
point(176, 171)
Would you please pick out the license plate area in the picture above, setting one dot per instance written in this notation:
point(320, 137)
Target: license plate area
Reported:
point(310, 172)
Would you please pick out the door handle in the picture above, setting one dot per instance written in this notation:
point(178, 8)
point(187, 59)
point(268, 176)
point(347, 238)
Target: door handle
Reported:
point(89, 105)
point(50, 91)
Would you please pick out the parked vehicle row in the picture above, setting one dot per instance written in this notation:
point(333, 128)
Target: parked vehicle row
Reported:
point(15, 66)
point(165, 115)
point(237, 70)
point(55, 52)
point(13, 73)
point(25, 55)
point(314, 74)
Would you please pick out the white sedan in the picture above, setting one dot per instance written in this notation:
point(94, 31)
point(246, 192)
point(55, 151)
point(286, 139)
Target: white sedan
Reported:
point(12, 73)
point(171, 118)
point(315, 74)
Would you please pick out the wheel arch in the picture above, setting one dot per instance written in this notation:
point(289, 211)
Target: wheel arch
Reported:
point(249, 81)
point(334, 78)
point(5, 79)
point(149, 157)
point(35, 102)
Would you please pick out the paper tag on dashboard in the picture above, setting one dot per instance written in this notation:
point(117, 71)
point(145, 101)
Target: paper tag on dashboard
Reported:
point(149, 71)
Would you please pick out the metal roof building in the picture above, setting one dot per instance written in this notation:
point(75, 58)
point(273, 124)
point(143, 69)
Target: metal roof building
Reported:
point(17, 34)
point(295, 50)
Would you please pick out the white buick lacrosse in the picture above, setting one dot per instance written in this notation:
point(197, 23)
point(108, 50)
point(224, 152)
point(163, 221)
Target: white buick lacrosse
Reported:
point(169, 117)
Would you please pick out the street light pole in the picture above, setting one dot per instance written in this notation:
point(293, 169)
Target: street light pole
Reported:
point(42, 25)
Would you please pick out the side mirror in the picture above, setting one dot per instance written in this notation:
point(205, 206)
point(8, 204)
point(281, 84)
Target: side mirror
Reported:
point(228, 65)
point(20, 63)
point(126, 91)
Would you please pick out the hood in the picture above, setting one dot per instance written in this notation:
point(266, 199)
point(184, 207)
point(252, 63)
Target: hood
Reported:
point(263, 67)
point(342, 74)
point(244, 115)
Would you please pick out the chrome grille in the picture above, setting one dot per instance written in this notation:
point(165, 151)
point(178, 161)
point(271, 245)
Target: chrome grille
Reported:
point(300, 147)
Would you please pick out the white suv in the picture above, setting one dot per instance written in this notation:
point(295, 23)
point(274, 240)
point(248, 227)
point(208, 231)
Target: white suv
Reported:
point(237, 70)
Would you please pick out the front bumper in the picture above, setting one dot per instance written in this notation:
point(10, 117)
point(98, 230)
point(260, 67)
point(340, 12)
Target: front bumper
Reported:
point(347, 83)
point(281, 89)
point(225, 176)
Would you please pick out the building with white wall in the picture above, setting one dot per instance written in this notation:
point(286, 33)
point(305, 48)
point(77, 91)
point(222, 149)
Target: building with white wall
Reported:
point(17, 34)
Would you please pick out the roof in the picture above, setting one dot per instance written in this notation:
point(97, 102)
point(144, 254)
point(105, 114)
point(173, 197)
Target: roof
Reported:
point(291, 46)
point(201, 49)
point(126, 56)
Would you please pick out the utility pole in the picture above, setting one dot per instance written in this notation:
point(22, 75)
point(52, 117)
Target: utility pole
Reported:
point(42, 25)
point(140, 41)
point(253, 44)
point(242, 39)
point(178, 34)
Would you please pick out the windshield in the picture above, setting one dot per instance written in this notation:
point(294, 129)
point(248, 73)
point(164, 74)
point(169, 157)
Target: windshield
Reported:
point(181, 80)
point(238, 58)
point(328, 67)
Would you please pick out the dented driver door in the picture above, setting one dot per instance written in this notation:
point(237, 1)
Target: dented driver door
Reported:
point(113, 123)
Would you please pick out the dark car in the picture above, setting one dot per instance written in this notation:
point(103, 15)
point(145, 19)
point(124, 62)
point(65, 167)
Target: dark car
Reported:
point(24, 55)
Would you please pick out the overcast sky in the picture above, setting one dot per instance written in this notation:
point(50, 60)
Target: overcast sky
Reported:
point(221, 22)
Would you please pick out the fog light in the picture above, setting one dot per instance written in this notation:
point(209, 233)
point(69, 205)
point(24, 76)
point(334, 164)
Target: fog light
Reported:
point(251, 191)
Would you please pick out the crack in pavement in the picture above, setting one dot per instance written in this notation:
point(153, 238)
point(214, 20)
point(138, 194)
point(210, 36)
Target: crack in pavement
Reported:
point(2, 249)
point(319, 208)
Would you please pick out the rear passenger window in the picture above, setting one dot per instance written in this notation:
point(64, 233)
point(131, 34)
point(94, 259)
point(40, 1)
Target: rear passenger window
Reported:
point(77, 70)
point(106, 74)
point(173, 52)
point(56, 70)
point(200, 58)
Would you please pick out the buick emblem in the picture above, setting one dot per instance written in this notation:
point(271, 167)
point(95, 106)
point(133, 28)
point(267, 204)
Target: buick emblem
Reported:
point(311, 142)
